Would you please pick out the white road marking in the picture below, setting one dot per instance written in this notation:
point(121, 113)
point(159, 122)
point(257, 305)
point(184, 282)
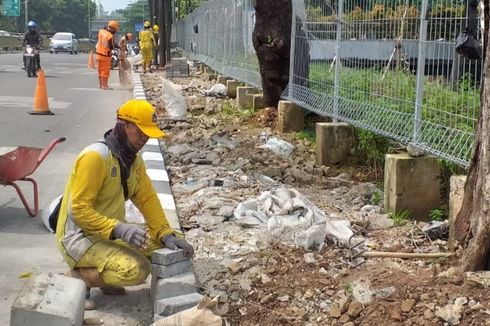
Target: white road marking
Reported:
point(167, 201)
point(153, 141)
point(157, 174)
point(152, 156)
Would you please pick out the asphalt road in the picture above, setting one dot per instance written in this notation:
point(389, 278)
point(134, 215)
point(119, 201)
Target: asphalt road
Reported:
point(82, 113)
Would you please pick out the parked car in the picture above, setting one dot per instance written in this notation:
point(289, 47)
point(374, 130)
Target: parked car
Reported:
point(63, 42)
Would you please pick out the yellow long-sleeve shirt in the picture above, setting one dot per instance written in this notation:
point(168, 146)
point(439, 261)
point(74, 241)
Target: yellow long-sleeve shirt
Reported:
point(93, 202)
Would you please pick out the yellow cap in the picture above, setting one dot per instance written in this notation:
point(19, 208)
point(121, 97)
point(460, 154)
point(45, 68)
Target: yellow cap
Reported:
point(156, 28)
point(146, 24)
point(143, 115)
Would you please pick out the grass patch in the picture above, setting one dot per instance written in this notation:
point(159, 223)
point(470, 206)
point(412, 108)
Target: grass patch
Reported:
point(399, 218)
point(437, 214)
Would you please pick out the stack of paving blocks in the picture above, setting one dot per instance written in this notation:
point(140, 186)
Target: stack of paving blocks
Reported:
point(173, 284)
point(177, 68)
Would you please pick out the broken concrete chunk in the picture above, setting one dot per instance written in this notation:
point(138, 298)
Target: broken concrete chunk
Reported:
point(49, 300)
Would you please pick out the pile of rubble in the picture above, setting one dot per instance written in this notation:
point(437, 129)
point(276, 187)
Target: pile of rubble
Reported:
point(250, 242)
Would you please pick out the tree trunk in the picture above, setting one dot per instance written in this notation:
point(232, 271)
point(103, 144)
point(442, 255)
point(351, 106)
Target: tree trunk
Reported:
point(472, 224)
point(272, 40)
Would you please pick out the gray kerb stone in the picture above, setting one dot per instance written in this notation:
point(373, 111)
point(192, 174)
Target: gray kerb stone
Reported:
point(171, 270)
point(49, 300)
point(166, 256)
point(167, 307)
point(165, 288)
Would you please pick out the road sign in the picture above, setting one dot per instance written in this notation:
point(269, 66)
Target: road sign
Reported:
point(11, 8)
point(138, 27)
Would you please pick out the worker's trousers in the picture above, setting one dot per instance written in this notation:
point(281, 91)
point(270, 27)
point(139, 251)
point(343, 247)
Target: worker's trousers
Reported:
point(118, 263)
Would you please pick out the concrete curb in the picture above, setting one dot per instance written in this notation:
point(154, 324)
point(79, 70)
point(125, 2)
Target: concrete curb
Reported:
point(155, 166)
point(173, 283)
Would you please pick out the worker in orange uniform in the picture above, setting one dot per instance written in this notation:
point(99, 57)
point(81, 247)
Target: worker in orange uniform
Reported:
point(105, 45)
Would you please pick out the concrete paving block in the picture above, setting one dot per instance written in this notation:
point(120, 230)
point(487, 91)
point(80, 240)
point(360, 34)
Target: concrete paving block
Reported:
point(167, 307)
point(170, 287)
point(406, 190)
point(167, 257)
point(171, 270)
point(49, 300)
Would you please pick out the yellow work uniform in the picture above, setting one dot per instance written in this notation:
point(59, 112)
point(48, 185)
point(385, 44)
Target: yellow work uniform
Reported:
point(93, 203)
point(147, 42)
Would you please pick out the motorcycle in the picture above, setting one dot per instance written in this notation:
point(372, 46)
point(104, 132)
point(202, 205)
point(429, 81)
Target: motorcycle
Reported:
point(115, 59)
point(30, 60)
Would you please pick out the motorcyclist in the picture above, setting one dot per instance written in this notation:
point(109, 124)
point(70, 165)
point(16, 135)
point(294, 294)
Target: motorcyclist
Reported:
point(33, 38)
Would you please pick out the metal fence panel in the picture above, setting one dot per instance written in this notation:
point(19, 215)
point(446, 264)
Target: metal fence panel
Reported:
point(219, 34)
point(388, 66)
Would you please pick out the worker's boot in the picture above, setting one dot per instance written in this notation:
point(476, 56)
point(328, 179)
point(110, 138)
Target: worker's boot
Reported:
point(105, 83)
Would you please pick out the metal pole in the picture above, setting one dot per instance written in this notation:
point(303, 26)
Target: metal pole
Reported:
point(161, 34)
point(420, 71)
point(168, 27)
point(292, 50)
point(26, 13)
point(340, 11)
point(154, 10)
point(88, 17)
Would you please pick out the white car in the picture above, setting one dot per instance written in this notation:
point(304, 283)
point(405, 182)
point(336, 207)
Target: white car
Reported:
point(63, 42)
point(4, 33)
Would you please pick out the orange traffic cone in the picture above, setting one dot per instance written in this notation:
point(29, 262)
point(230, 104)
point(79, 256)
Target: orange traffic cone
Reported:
point(41, 105)
point(91, 63)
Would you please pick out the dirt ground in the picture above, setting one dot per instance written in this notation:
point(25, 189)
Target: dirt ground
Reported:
point(215, 162)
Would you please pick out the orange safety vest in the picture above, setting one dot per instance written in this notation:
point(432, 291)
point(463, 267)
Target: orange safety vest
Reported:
point(104, 43)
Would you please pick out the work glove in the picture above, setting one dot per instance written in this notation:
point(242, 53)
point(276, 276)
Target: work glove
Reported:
point(170, 241)
point(131, 234)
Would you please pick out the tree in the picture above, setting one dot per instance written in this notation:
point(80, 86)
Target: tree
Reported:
point(53, 16)
point(272, 40)
point(472, 224)
point(133, 14)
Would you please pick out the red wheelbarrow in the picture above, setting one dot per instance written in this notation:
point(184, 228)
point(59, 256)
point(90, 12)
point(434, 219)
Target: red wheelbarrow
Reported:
point(17, 163)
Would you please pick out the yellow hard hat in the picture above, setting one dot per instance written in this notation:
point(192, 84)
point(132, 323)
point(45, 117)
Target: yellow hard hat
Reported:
point(113, 24)
point(146, 24)
point(156, 28)
point(143, 115)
